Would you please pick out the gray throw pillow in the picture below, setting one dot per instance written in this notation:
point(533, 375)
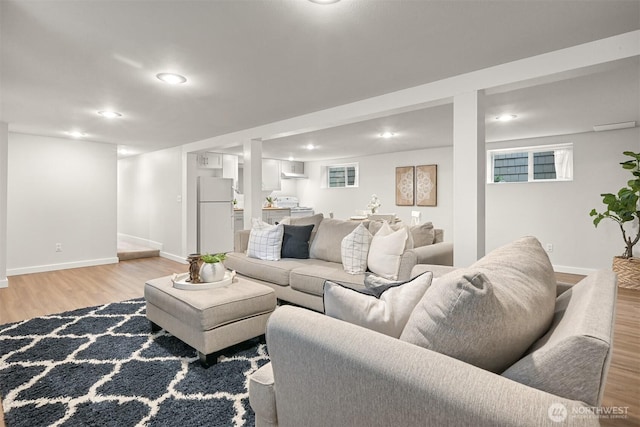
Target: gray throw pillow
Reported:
point(489, 314)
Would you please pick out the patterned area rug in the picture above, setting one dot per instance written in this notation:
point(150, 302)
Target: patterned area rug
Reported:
point(102, 366)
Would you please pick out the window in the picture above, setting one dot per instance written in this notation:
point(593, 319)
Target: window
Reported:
point(341, 176)
point(544, 163)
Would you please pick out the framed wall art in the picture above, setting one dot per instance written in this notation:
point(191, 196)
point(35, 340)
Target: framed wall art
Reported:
point(404, 186)
point(426, 185)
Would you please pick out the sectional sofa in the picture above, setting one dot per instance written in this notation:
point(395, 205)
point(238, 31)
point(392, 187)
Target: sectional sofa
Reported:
point(301, 281)
point(325, 371)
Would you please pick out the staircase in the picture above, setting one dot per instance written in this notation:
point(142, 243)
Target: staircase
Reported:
point(128, 251)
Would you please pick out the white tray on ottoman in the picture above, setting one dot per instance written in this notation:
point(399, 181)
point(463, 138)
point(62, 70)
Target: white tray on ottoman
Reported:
point(213, 319)
point(181, 281)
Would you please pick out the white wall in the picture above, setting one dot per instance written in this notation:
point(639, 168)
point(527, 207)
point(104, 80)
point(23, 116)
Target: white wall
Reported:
point(60, 191)
point(150, 200)
point(558, 212)
point(378, 176)
point(4, 164)
point(288, 187)
point(554, 212)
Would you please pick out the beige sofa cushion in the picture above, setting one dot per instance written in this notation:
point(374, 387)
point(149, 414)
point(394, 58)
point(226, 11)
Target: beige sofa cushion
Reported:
point(328, 239)
point(488, 314)
point(276, 272)
point(310, 278)
point(423, 234)
point(305, 220)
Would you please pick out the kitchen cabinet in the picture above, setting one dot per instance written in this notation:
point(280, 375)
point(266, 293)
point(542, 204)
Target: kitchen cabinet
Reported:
point(238, 220)
point(210, 161)
point(270, 175)
point(275, 215)
point(270, 216)
point(230, 169)
point(292, 167)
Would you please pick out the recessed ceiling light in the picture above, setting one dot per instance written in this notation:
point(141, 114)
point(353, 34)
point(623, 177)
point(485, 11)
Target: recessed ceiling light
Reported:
point(387, 135)
point(310, 147)
point(506, 117)
point(109, 114)
point(324, 1)
point(173, 79)
point(123, 151)
point(76, 134)
point(291, 158)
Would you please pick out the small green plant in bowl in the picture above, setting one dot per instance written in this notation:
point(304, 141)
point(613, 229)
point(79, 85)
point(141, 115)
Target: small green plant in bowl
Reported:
point(212, 269)
point(211, 259)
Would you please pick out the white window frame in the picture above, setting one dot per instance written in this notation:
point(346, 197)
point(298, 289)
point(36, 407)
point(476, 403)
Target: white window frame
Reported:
point(530, 162)
point(344, 166)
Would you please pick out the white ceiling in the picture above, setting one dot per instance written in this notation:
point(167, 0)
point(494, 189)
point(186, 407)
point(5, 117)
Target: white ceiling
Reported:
point(256, 62)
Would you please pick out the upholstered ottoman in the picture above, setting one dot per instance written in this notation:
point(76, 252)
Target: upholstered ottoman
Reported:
point(210, 320)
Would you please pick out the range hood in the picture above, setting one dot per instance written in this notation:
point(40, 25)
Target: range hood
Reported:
point(291, 175)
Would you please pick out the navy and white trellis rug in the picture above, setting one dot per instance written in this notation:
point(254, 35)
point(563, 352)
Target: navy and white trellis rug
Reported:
point(102, 366)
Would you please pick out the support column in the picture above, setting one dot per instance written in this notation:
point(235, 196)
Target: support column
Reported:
point(469, 174)
point(4, 166)
point(252, 175)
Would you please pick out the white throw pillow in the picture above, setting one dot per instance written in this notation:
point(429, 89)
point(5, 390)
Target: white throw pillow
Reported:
point(386, 250)
point(265, 241)
point(375, 226)
point(355, 249)
point(387, 314)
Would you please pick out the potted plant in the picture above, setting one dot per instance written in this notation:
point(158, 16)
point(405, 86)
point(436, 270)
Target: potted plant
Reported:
point(623, 209)
point(212, 269)
point(271, 201)
point(374, 204)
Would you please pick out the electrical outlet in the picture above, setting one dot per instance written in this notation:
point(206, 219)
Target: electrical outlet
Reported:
point(549, 247)
point(179, 198)
point(58, 247)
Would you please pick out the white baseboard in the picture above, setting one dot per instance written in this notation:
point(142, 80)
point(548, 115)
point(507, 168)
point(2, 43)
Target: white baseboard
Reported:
point(4, 283)
point(62, 266)
point(573, 270)
point(173, 257)
point(140, 241)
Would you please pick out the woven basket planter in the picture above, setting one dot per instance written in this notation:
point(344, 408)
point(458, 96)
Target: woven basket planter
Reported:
point(628, 271)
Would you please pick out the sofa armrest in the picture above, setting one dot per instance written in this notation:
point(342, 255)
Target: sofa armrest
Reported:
point(437, 270)
point(437, 253)
point(331, 373)
point(241, 241)
point(263, 397)
point(563, 287)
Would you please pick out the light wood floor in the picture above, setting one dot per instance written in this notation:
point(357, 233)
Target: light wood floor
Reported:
point(40, 294)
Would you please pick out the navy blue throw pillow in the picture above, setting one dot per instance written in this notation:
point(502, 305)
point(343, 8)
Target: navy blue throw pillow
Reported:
point(295, 243)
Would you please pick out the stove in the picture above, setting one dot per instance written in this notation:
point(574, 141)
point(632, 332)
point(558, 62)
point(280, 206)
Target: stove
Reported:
point(292, 203)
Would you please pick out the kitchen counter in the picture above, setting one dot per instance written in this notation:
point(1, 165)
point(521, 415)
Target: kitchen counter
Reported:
point(264, 209)
point(269, 215)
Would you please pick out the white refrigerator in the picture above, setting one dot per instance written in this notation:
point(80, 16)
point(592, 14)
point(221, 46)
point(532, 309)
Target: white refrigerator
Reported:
point(215, 215)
